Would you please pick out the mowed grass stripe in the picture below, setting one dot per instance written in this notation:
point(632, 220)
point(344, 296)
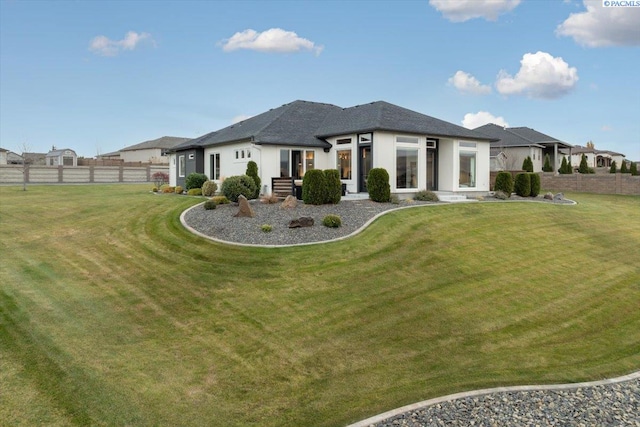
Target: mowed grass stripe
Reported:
point(168, 328)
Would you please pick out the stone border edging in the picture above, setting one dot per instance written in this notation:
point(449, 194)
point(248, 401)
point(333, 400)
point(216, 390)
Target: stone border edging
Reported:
point(475, 393)
point(358, 231)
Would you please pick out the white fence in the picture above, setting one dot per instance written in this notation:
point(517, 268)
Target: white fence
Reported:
point(14, 174)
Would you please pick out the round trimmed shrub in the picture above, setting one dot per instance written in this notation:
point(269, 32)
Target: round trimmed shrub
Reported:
point(210, 204)
point(195, 192)
point(314, 187)
point(209, 188)
point(426, 196)
point(378, 185)
point(195, 180)
point(332, 221)
point(522, 185)
point(504, 183)
point(178, 189)
point(535, 184)
point(266, 228)
point(334, 186)
point(234, 186)
point(252, 171)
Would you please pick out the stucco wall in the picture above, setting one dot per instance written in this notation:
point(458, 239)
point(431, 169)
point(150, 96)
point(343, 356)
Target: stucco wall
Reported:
point(149, 155)
point(602, 184)
point(13, 174)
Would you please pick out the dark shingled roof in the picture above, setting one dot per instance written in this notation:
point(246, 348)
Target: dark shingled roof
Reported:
point(537, 137)
point(506, 138)
point(164, 143)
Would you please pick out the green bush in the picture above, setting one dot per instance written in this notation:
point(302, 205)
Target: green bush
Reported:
point(154, 189)
point(178, 189)
point(209, 188)
point(633, 169)
point(234, 186)
point(504, 183)
point(334, 186)
point(210, 204)
point(267, 228)
point(614, 167)
point(195, 192)
point(535, 184)
point(195, 180)
point(378, 185)
point(569, 168)
point(623, 167)
point(314, 187)
point(426, 196)
point(522, 184)
point(547, 164)
point(583, 168)
point(527, 164)
point(220, 200)
point(332, 221)
point(252, 171)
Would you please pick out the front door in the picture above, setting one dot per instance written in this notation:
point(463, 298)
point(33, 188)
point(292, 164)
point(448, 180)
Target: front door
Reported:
point(432, 170)
point(366, 162)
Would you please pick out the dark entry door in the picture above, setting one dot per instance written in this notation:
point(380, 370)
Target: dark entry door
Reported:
point(432, 170)
point(366, 162)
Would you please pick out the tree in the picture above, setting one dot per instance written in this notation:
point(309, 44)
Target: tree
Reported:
point(634, 169)
point(547, 164)
point(590, 145)
point(614, 167)
point(623, 167)
point(26, 162)
point(527, 164)
point(563, 166)
point(584, 167)
point(569, 167)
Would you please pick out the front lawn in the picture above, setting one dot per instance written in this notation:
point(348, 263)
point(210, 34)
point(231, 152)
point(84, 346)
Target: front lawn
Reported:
point(112, 314)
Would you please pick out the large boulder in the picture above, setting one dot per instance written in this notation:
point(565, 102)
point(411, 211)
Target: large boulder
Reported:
point(245, 208)
point(549, 196)
point(304, 221)
point(290, 202)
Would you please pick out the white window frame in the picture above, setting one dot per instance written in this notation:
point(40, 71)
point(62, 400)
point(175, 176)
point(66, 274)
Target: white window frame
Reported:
point(182, 165)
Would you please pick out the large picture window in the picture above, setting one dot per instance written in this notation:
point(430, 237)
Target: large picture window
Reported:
point(310, 160)
point(407, 168)
point(467, 169)
point(181, 165)
point(344, 163)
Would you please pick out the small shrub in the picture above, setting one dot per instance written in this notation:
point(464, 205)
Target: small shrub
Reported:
point(394, 199)
point(535, 184)
point(195, 192)
point(210, 204)
point(614, 167)
point(623, 167)
point(332, 221)
point(522, 185)
point(195, 180)
point(527, 164)
point(501, 195)
point(160, 178)
point(178, 189)
point(547, 164)
point(634, 169)
point(234, 186)
point(270, 199)
point(221, 200)
point(252, 171)
point(209, 188)
point(564, 168)
point(334, 186)
point(583, 168)
point(504, 183)
point(154, 189)
point(378, 185)
point(168, 189)
point(426, 196)
point(267, 228)
point(314, 187)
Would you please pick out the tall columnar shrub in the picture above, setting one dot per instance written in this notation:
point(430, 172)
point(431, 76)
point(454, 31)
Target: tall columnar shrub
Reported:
point(252, 171)
point(527, 164)
point(334, 186)
point(584, 167)
point(314, 187)
point(623, 167)
point(633, 169)
point(195, 180)
point(563, 166)
point(378, 185)
point(614, 167)
point(547, 164)
point(234, 186)
point(569, 167)
point(504, 183)
point(522, 185)
point(535, 184)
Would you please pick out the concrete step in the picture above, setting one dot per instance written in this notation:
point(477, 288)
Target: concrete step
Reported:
point(454, 198)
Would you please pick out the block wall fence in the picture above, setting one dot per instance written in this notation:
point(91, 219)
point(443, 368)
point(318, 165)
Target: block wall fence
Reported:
point(617, 183)
point(13, 174)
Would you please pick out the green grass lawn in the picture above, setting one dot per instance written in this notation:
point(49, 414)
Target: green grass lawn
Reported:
point(112, 314)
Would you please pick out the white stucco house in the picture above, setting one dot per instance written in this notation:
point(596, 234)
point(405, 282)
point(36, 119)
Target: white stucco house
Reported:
point(153, 151)
point(419, 152)
point(595, 158)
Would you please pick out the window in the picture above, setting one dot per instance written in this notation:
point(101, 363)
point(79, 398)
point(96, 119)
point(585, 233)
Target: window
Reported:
point(467, 144)
point(365, 138)
point(408, 139)
point(237, 154)
point(431, 143)
point(343, 141)
point(284, 163)
point(467, 169)
point(310, 160)
point(407, 168)
point(181, 165)
point(191, 156)
point(344, 163)
point(215, 166)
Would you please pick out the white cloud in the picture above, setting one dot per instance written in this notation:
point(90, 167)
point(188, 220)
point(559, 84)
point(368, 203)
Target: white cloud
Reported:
point(272, 40)
point(239, 118)
point(606, 128)
point(466, 83)
point(463, 10)
point(603, 26)
point(481, 118)
point(104, 46)
point(540, 76)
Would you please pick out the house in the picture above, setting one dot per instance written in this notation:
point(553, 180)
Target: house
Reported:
point(64, 157)
point(513, 145)
point(595, 158)
point(419, 152)
point(152, 151)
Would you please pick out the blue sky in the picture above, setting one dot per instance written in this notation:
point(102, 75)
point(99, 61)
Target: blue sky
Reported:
point(99, 76)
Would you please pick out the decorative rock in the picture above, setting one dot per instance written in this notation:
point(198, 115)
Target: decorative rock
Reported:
point(304, 221)
point(245, 209)
point(290, 202)
point(558, 196)
point(548, 196)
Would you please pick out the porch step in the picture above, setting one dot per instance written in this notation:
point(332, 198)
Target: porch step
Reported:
point(282, 187)
point(453, 198)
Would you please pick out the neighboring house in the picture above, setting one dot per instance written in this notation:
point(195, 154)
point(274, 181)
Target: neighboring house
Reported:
point(513, 145)
point(595, 158)
point(109, 156)
point(64, 157)
point(153, 151)
point(418, 151)
point(3, 156)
